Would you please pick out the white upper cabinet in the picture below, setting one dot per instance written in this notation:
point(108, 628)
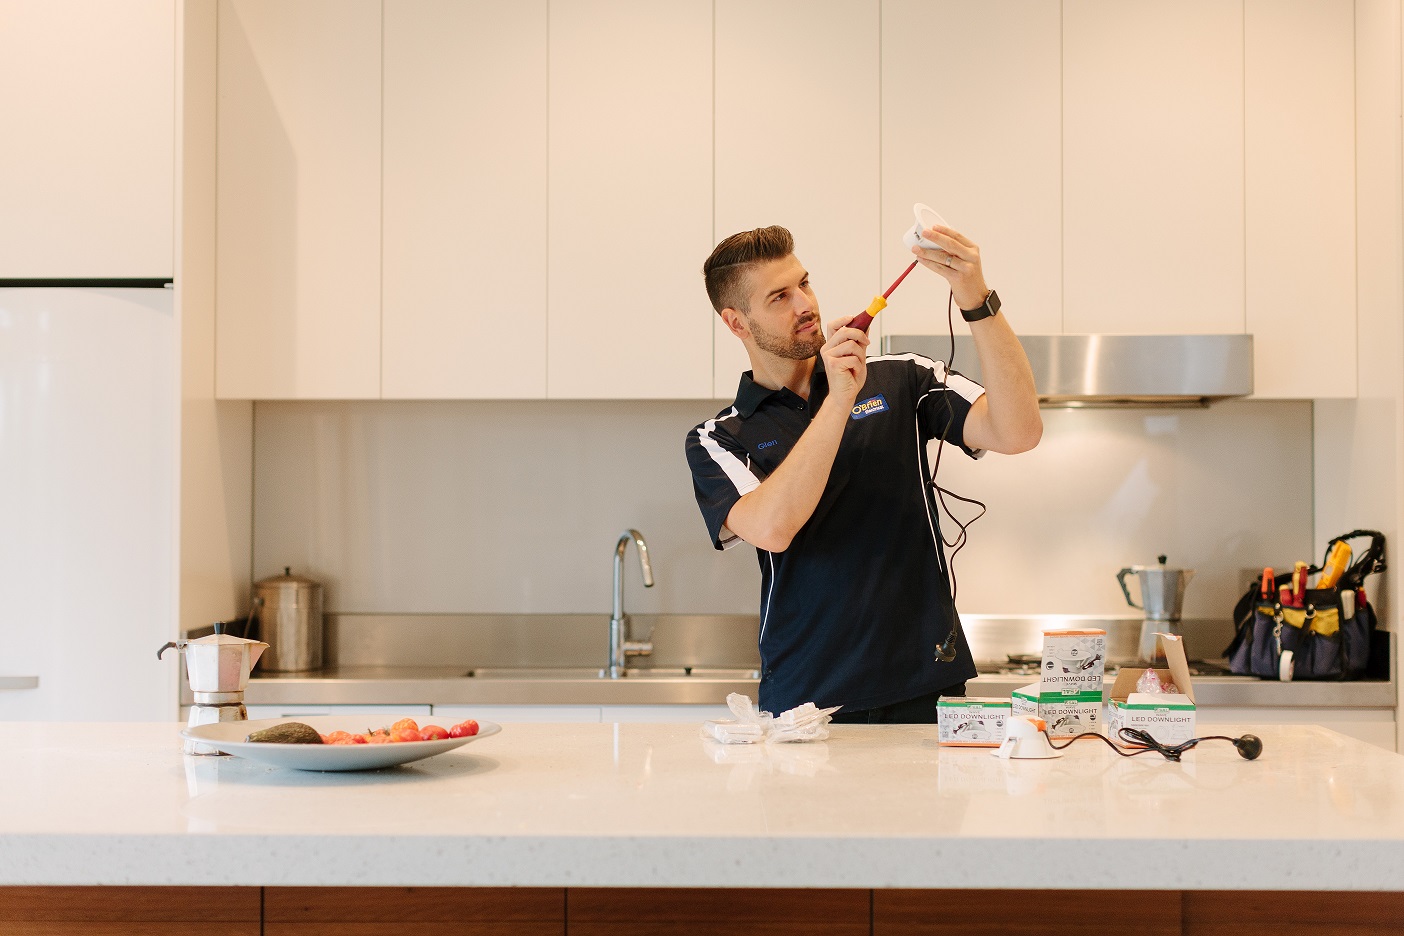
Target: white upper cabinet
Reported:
point(1153, 188)
point(971, 127)
point(87, 170)
point(465, 199)
point(1299, 139)
point(630, 193)
point(555, 172)
point(797, 145)
point(297, 301)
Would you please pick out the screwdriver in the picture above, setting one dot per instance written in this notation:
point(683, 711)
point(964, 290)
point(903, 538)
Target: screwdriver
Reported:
point(863, 319)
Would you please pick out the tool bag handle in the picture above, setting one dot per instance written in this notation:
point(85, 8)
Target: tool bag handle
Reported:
point(1369, 562)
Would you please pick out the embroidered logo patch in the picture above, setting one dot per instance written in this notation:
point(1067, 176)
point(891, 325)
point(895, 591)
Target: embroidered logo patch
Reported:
point(766, 445)
point(868, 407)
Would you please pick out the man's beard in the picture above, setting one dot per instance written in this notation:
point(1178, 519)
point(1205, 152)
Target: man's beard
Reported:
point(792, 347)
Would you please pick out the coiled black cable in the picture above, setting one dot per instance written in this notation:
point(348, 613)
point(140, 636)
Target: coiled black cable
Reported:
point(1249, 746)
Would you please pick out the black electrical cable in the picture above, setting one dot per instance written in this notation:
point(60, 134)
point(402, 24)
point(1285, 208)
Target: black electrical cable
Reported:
point(1249, 746)
point(946, 650)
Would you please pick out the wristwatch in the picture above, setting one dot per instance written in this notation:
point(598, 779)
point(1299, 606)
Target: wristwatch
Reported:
point(983, 311)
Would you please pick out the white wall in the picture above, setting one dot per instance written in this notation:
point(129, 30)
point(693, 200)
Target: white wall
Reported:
point(216, 451)
point(1359, 443)
point(515, 506)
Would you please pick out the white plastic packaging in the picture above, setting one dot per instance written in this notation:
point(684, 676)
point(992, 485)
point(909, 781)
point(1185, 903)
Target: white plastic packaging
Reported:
point(805, 722)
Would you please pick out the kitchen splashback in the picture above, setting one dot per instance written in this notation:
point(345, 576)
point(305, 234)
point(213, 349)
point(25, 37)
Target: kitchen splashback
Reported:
point(514, 506)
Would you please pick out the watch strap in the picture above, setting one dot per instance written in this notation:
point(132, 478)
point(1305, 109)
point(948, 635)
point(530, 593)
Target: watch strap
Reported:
point(983, 311)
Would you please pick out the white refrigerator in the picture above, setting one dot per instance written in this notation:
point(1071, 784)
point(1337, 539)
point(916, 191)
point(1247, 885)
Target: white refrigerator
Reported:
point(88, 492)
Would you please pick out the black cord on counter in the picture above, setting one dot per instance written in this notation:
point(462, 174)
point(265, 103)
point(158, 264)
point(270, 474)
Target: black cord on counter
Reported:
point(1249, 746)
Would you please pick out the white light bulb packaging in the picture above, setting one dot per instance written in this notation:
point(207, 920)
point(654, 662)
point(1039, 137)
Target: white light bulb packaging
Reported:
point(970, 721)
point(1074, 662)
point(1068, 694)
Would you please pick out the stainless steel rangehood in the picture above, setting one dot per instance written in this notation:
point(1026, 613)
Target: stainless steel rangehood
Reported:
point(1114, 370)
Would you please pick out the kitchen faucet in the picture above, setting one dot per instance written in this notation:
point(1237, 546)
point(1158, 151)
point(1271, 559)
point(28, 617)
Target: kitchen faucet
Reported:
point(620, 646)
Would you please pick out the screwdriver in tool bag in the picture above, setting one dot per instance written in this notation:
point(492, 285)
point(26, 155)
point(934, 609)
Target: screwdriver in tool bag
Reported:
point(1299, 584)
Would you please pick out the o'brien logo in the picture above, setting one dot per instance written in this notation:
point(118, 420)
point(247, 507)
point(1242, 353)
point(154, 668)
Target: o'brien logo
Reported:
point(868, 407)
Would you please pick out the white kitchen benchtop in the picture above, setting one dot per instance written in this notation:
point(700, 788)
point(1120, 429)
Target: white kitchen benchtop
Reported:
point(644, 805)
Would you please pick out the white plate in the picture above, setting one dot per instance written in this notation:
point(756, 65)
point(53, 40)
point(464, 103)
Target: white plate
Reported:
point(229, 738)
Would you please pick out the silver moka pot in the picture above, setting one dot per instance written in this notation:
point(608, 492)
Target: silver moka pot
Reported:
point(1162, 599)
point(218, 667)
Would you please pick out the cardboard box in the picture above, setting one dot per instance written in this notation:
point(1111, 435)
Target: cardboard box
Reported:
point(1168, 718)
point(972, 721)
point(1066, 714)
point(1074, 661)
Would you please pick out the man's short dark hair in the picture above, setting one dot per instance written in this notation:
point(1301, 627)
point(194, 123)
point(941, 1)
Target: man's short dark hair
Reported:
point(726, 271)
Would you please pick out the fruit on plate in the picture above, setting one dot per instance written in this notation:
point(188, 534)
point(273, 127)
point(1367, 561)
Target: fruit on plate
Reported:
point(464, 729)
point(406, 729)
point(287, 733)
point(343, 737)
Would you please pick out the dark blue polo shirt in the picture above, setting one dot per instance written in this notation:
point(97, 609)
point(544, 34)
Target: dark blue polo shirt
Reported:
point(852, 611)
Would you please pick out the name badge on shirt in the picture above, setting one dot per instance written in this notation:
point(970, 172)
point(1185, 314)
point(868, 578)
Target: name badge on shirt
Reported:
point(870, 406)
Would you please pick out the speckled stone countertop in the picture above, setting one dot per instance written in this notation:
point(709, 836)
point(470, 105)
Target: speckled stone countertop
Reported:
point(656, 805)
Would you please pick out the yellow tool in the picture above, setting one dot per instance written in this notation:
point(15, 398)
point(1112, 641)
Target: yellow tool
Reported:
point(1335, 565)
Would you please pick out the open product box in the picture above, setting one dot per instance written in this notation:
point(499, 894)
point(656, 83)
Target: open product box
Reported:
point(1167, 717)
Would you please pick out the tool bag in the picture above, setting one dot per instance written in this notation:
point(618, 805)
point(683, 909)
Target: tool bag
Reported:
point(1333, 637)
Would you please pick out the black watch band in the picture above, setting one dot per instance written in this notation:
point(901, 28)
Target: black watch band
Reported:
point(983, 311)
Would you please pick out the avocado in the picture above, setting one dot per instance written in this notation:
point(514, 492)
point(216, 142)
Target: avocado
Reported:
point(287, 733)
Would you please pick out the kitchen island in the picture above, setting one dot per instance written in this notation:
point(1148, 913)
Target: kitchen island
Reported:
point(565, 807)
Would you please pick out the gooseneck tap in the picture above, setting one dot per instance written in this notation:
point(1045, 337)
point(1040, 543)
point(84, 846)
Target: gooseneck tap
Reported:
point(620, 646)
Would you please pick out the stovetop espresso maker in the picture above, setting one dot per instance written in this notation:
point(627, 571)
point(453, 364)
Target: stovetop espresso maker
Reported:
point(218, 666)
point(1162, 599)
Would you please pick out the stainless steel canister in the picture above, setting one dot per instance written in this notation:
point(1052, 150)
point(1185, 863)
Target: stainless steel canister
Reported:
point(289, 612)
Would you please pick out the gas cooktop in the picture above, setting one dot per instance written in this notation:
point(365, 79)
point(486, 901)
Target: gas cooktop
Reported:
point(1017, 666)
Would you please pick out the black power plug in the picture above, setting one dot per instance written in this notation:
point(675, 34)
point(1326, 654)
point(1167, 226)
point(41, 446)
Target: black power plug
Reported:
point(1249, 746)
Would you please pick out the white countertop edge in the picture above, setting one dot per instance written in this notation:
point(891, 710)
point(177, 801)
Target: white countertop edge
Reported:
point(587, 861)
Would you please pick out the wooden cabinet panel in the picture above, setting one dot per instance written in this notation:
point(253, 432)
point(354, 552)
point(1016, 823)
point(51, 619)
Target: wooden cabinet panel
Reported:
point(87, 175)
point(672, 911)
point(413, 911)
point(1273, 913)
point(797, 145)
point(412, 904)
point(465, 199)
point(1299, 140)
point(630, 194)
point(129, 911)
point(1023, 913)
point(971, 125)
point(394, 928)
point(297, 295)
point(1153, 214)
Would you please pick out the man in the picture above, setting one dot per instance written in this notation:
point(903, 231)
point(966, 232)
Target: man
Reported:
point(821, 465)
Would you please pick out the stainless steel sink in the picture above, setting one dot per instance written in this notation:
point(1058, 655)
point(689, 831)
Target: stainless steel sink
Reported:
point(643, 672)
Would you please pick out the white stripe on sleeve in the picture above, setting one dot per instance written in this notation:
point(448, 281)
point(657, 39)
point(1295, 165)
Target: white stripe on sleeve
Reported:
point(968, 389)
point(734, 468)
